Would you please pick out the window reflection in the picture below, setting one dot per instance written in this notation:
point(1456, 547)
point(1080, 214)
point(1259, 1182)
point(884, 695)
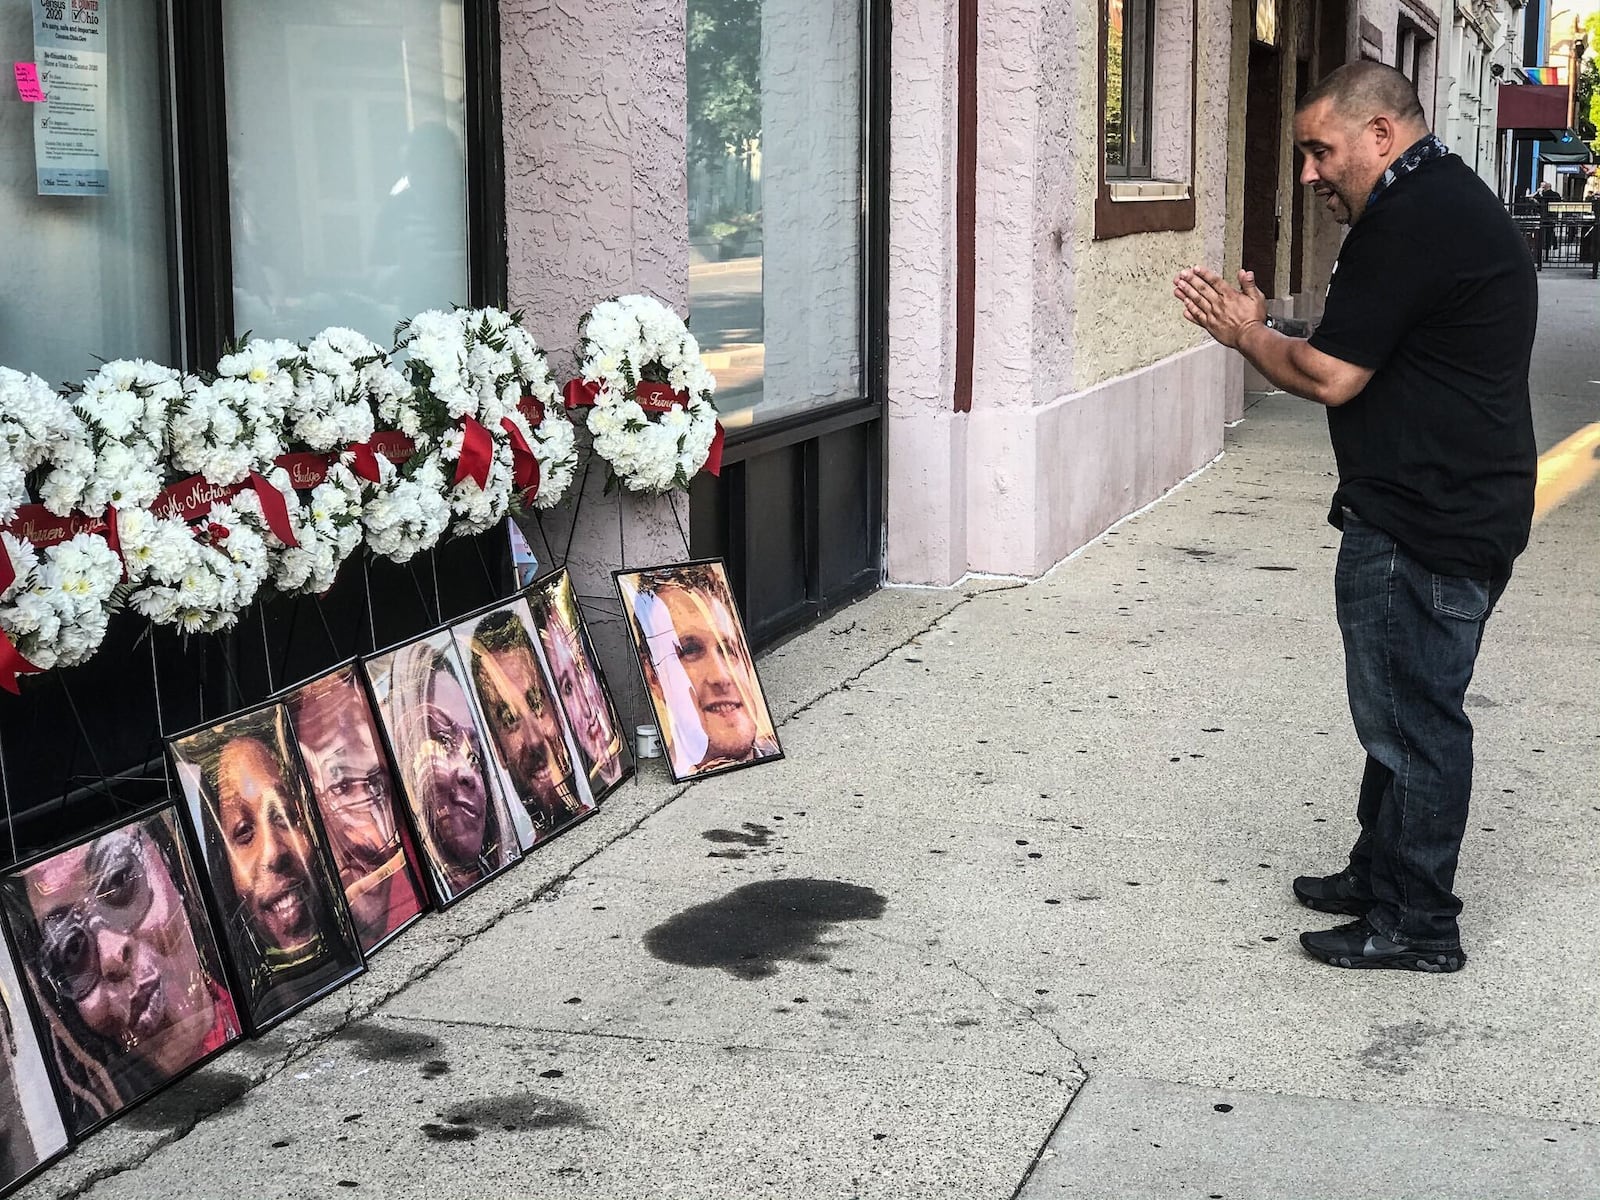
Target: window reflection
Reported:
point(775, 154)
point(346, 129)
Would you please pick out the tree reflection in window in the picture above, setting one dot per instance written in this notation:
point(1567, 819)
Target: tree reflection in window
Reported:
point(1129, 54)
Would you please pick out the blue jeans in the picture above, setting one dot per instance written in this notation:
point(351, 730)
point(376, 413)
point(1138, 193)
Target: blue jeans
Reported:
point(1411, 638)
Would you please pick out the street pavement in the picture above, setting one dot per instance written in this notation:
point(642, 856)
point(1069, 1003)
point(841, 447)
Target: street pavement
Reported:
point(1010, 919)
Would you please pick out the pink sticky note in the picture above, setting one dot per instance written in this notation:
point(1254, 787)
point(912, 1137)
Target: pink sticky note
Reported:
point(28, 82)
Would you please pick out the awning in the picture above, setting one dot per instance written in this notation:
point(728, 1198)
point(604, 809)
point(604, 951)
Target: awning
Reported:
point(1533, 106)
point(1565, 148)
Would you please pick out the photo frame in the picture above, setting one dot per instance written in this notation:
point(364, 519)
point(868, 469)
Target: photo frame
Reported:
point(32, 1132)
point(114, 1037)
point(529, 740)
point(353, 785)
point(285, 926)
point(697, 668)
point(467, 832)
point(580, 685)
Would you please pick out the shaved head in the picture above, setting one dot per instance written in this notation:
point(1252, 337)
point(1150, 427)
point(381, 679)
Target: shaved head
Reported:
point(1360, 91)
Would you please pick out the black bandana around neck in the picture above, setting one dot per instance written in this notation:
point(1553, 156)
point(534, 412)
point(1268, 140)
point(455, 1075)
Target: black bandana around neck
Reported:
point(1425, 151)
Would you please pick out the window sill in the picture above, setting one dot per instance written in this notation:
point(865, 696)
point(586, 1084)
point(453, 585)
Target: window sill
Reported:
point(1122, 215)
point(1123, 191)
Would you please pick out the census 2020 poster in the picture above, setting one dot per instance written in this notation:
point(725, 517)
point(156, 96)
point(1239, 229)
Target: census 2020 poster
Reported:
point(69, 127)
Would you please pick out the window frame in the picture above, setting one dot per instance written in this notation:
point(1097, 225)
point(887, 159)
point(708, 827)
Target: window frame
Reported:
point(201, 217)
point(1114, 218)
point(1146, 121)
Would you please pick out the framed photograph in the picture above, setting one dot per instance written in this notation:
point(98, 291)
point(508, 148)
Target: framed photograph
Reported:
point(580, 688)
point(115, 945)
point(528, 738)
point(32, 1133)
point(284, 923)
point(422, 696)
point(353, 785)
point(697, 668)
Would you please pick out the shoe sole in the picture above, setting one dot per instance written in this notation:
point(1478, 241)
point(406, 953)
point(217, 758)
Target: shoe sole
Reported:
point(1432, 963)
point(1347, 908)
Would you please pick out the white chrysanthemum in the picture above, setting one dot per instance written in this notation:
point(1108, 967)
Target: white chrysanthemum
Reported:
point(38, 427)
point(124, 409)
point(406, 514)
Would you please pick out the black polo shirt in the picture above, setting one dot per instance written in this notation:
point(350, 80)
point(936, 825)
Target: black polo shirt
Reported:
point(1435, 291)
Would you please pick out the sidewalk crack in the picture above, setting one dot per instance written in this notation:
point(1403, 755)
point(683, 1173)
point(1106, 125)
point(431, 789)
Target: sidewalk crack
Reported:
point(1027, 1010)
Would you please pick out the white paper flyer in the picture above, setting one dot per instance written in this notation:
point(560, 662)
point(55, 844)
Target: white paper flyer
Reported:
point(69, 127)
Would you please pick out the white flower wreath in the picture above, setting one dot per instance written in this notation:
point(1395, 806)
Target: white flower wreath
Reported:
point(648, 393)
point(38, 427)
point(478, 381)
point(196, 578)
point(54, 612)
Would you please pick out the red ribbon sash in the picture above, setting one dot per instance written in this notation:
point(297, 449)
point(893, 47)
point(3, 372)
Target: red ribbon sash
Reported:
point(394, 446)
point(477, 452)
point(306, 471)
point(365, 463)
point(193, 498)
point(13, 664)
point(8, 569)
point(532, 410)
point(274, 508)
point(714, 455)
point(657, 398)
point(580, 393)
point(524, 466)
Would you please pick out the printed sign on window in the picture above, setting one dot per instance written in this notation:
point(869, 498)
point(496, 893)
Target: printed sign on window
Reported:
point(69, 126)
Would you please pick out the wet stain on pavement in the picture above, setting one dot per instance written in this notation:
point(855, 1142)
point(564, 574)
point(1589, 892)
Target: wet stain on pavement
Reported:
point(1395, 1048)
point(515, 1114)
point(750, 930)
point(381, 1043)
point(198, 1096)
point(748, 836)
point(450, 1133)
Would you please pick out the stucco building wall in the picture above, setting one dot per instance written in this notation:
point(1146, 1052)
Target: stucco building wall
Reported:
point(1091, 395)
point(596, 206)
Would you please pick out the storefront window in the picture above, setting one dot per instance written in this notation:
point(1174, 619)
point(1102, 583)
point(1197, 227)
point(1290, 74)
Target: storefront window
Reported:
point(87, 267)
point(775, 201)
point(346, 133)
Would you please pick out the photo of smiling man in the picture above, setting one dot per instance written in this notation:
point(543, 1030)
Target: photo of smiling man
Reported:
point(283, 913)
point(114, 941)
point(442, 764)
point(527, 729)
point(698, 668)
point(580, 689)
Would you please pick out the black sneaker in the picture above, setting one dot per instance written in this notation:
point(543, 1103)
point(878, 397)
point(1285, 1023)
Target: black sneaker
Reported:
point(1341, 893)
point(1358, 945)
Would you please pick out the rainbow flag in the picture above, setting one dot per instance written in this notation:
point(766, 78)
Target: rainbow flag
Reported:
point(1542, 74)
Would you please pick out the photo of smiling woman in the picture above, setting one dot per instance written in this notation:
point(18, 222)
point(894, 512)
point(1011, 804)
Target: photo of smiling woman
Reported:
point(114, 942)
point(440, 759)
point(698, 668)
point(284, 919)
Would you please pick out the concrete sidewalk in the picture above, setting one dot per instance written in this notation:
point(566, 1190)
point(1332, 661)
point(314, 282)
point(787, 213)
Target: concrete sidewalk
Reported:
point(1024, 838)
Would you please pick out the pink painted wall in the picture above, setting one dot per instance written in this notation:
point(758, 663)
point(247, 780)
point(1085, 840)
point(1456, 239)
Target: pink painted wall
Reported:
point(1091, 397)
point(593, 94)
point(926, 440)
